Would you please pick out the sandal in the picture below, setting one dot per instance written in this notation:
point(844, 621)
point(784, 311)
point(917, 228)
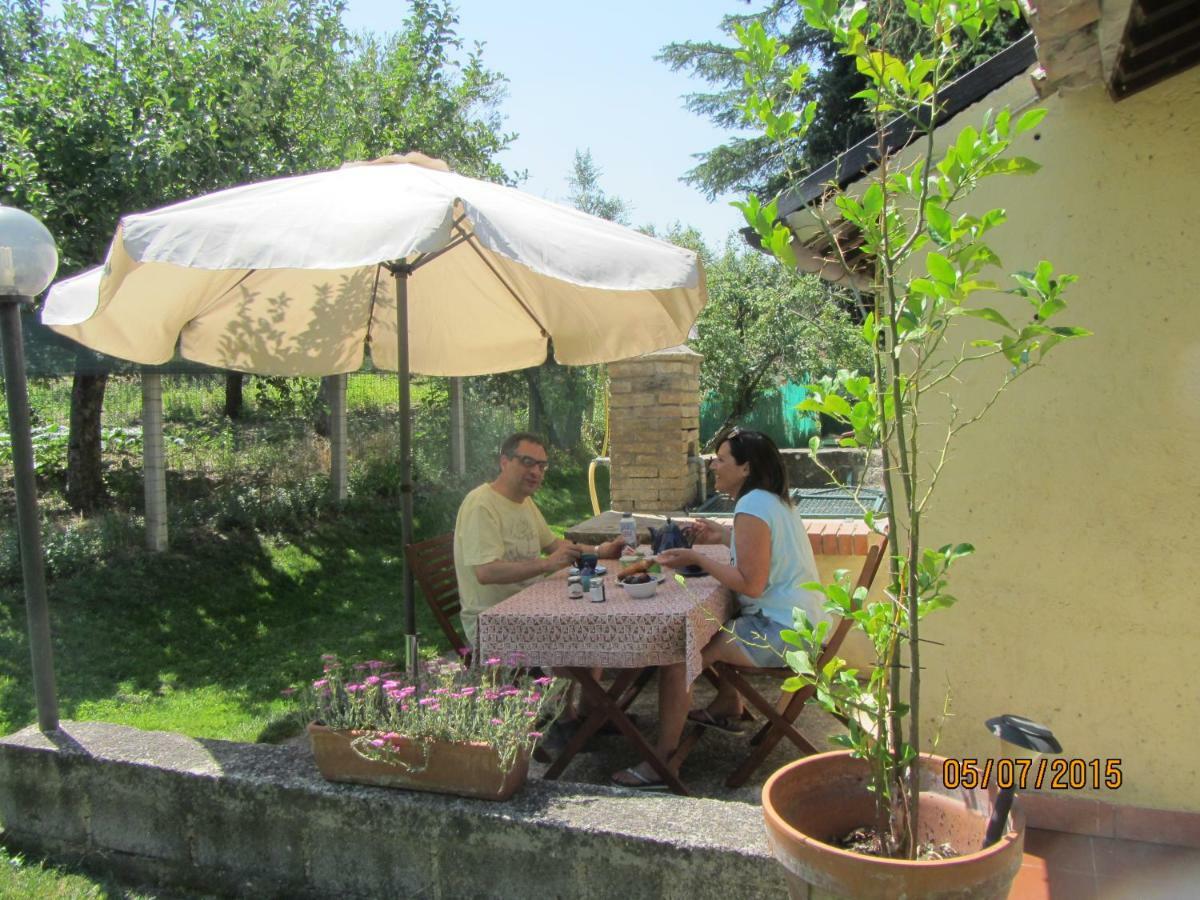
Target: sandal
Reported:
point(637, 781)
point(728, 724)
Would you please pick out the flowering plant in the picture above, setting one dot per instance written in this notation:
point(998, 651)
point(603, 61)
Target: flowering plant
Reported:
point(495, 703)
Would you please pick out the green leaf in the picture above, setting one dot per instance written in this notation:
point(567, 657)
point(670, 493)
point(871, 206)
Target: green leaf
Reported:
point(799, 662)
point(837, 406)
point(814, 445)
point(940, 268)
point(939, 222)
point(1070, 331)
point(1031, 119)
point(988, 314)
point(872, 201)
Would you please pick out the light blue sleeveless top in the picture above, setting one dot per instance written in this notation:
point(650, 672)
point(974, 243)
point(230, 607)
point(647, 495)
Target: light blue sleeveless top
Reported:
point(792, 562)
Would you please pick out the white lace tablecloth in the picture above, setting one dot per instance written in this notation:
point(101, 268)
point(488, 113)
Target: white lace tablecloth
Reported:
point(546, 628)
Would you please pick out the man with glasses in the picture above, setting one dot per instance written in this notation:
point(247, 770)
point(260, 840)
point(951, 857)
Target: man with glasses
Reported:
point(500, 536)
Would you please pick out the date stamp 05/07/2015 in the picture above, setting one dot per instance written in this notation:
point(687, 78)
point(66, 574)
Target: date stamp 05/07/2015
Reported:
point(1056, 773)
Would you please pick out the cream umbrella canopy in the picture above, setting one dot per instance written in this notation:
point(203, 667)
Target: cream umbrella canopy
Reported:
point(436, 273)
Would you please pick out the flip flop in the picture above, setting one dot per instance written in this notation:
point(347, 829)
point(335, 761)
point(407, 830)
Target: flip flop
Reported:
point(640, 781)
point(722, 723)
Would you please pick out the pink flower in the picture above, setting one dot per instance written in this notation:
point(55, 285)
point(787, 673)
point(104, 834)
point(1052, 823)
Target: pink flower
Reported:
point(373, 680)
point(287, 692)
point(491, 695)
point(544, 680)
point(375, 665)
point(353, 688)
point(390, 685)
point(360, 667)
point(321, 682)
point(530, 714)
point(467, 692)
point(533, 698)
point(407, 691)
point(535, 734)
point(464, 651)
point(429, 701)
point(378, 742)
point(329, 657)
point(492, 661)
point(497, 721)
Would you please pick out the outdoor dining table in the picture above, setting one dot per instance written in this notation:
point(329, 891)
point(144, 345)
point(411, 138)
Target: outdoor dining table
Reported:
point(542, 626)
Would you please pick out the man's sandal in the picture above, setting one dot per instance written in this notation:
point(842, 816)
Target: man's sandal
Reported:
point(728, 724)
point(637, 781)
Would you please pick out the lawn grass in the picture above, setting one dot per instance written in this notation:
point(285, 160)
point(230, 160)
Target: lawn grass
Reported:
point(22, 878)
point(201, 639)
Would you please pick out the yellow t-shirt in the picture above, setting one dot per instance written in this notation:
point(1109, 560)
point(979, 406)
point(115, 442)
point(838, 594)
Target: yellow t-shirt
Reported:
point(491, 527)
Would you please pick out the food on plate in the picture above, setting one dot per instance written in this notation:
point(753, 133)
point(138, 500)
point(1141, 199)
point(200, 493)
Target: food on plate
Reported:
point(641, 578)
point(636, 568)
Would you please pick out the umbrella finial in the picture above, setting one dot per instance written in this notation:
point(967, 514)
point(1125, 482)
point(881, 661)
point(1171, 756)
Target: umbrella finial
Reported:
point(412, 159)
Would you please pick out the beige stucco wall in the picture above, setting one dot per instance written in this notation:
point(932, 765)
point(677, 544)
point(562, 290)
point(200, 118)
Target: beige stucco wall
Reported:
point(1081, 488)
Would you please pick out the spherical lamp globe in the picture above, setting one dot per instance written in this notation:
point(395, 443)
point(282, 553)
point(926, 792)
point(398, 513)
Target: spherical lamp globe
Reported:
point(28, 256)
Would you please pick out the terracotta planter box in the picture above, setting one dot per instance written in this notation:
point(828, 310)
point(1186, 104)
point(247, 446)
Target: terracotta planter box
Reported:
point(823, 797)
point(468, 770)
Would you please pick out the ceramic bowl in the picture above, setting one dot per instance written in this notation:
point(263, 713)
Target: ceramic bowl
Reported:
point(643, 591)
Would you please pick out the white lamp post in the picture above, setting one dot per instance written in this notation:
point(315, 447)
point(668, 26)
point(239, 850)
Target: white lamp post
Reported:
point(28, 261)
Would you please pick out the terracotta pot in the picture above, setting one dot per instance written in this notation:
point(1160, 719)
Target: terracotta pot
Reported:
point(824, 797)
point(468, 770)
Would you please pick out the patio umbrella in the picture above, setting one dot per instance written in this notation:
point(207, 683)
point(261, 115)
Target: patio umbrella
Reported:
point(436, 273)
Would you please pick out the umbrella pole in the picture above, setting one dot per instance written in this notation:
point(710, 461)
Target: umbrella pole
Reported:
point(28, 524)
point(401, 273)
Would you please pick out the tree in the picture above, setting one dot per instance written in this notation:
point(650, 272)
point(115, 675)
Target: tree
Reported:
point(125, 105)
point(930, 279)
point(764, 324)
point(756, 164)
point(587, 195)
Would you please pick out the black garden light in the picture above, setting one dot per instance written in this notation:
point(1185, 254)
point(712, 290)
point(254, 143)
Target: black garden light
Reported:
point(1025, 734)
point(28, 261)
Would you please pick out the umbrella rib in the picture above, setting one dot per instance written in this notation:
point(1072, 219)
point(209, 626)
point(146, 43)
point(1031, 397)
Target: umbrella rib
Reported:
point(487, 262)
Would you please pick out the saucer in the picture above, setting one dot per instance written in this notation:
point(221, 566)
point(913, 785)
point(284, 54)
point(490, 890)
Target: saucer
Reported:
point(692, 571)
point(574, 570)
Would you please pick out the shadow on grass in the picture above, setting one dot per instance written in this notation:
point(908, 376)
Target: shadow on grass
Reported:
point(218, 625)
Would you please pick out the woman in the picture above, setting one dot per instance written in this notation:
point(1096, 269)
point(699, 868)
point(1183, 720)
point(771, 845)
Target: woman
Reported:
point(771, 558)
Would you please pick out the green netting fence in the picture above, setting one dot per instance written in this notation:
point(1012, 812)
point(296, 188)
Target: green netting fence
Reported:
point(774, 413)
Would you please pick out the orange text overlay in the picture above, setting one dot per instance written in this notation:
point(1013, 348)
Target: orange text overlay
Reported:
point(1055, 773)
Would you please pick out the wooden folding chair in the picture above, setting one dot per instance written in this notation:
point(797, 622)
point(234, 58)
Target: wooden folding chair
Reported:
point(432, 565)
point(781, 716)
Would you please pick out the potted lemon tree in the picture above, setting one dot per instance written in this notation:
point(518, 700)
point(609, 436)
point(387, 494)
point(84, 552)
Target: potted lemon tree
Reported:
point(874, 820)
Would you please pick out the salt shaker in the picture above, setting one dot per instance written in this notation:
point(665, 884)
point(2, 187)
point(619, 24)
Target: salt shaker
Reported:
point(574, 587)
point(596, 593)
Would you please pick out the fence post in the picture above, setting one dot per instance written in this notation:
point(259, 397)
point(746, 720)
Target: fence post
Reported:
point(154, 462)
point(458, 428)
point(337, 436)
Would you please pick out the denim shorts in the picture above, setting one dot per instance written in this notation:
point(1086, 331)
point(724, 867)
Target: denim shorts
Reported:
point(759, 638)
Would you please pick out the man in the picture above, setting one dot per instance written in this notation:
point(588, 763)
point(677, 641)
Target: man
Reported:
point(500, 535)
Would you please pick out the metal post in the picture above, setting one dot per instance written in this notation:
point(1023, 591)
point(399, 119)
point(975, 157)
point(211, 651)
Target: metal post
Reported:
point(154, 463)
point(337, 436)
point(401, 273)
point(28, 522)
point(458, 428)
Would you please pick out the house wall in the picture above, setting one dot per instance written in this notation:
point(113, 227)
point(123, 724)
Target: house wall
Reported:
point(1080, 489)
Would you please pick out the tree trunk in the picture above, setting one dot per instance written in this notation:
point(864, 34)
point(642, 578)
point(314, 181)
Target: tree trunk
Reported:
point(233, 395)
point(85, 477)
point(322, 422)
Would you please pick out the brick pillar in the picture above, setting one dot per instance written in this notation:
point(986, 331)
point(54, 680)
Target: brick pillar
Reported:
point(654, 425)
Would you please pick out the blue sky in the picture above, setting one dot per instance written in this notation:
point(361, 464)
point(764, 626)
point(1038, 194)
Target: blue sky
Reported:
point(583, 76)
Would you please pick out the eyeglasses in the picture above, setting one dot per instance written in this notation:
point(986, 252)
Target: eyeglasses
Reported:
point(530, 462)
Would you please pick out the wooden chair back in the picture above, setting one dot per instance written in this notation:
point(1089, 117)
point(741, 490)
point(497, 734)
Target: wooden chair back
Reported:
point(432, 565)
point(781, 716)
